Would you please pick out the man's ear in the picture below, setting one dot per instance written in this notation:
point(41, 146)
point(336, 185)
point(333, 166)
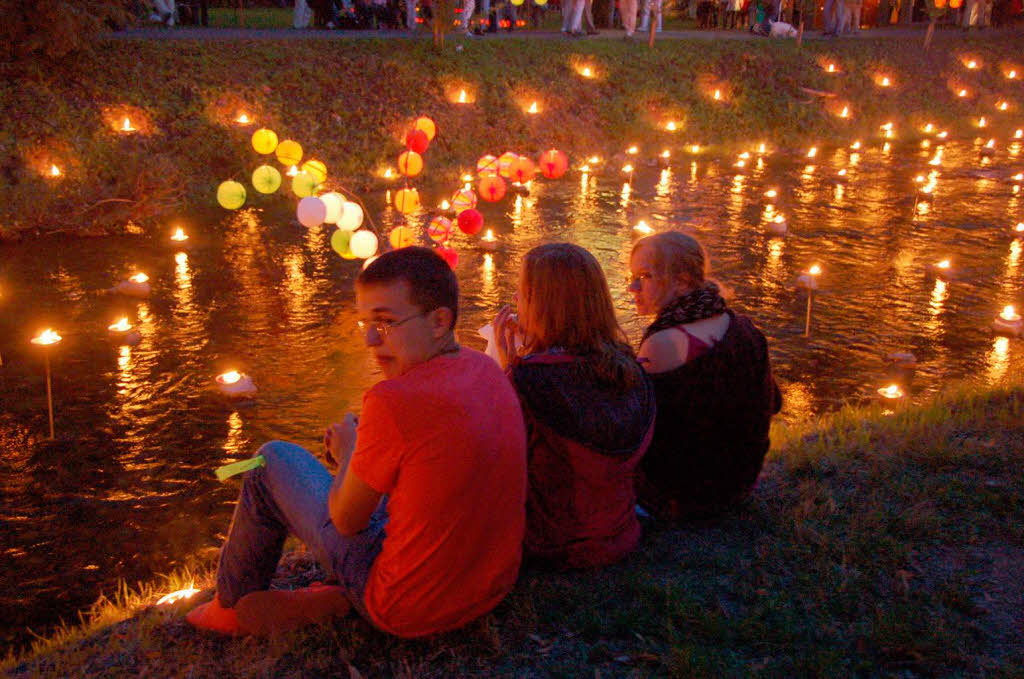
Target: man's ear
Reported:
point(441, 321)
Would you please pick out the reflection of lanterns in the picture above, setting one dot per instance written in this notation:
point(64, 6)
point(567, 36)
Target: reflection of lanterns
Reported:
point(893, 391)
point(1008, 322)
point(235, 384)
point(488, 241)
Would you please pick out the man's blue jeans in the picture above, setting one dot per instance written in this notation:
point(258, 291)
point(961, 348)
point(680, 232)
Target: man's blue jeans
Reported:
point(289, 495)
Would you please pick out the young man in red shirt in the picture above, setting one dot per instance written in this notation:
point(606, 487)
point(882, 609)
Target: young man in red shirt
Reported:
point(423, 520)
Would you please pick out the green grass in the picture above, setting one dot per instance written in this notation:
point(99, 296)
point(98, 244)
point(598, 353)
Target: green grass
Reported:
point(349, 103)
point(877, 543)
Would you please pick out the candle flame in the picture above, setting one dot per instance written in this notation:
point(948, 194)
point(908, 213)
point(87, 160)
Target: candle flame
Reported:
point(929, 128)
point(892, 391)
point(962, 93)
point(127, 126)
point(586, 72)
point(593, 160)
point(741, 163)
point(718, 95)
point(884, 82)
point(584, 168)
point(1009, 313)
point(632, 150)
point(982, 122)
point(666, 154)
point(1002, 106)
point(462, 96)
point(972, 64)
point(671, 126)
point(845, 113)
point(445, 205)
point(814, 270)
point(842, 173)
point(139, 278)
point(812, 152)
point(533, 108)
point(695, 148)
point(831, 68)
point(243, 120)
point(388, 173)
point(489, 235)
point(54, 171)
point(855, 146)
point(1019, 228)
point(627, 168)
point(762, 148)
point(771, 193)
point(179, 235)
point(779, 219)
point(229, 377)
point(944, 264)
point(121, 326)
point(293, 171)
point(180, 595)
point(643, 228)
point(47, 337)
point(1011, 75)
point(1018, 134)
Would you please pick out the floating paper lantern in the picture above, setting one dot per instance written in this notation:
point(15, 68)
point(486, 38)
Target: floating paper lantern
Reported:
point(231, 195)
point(417, 140)
point(351, 216)
point(427, 126)
point(363, 244)
point(487, 166)
point(463, 199)
point(491, 188)
point(266, 179)
point(289, 152)
point(335, 203)
point(401, 237)
point(505, 163)
point(317, 169)
point(235, 384)
point(523, 170)
point(135, 286)
point(340, 243)
point(410, 163)
point(311, 212)
point(407, 200)
point(264, 141)
point(303, 184)
point(553, 163)
point(439, 229)
point(449, 255)
point(470, 221)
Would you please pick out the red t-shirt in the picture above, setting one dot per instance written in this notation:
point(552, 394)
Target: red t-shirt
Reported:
point(446, 442)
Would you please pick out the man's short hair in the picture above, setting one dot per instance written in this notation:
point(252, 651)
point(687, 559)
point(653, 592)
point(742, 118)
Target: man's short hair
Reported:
point(432, 283)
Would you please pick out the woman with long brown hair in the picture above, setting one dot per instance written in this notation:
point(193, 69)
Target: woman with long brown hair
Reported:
point(588, 406)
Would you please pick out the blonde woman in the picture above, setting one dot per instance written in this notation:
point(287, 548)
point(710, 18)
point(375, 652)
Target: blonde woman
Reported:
point(588, 406)
point(712, 378)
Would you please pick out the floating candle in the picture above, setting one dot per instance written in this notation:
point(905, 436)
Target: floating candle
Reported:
point(717, 95)
point(462, 97)
point(855, 146)
point(488, 241)
point(971, 64)
point(1011, 75)
point(891, 392)
point(533, 108)
point(135, 286)
point(632, 150)
point(942, 269)
point(235, 384)
point(809, 279)
point(670, 126)
point(771, 193)
point(127, 126)
point(904, 360)
point(643, 227)
point(1002, 106)
point(179, 235)
point(243, 119)
point(695, 148)
point(47, 337)
point(831, 68)
point(812, 152)
point(777, 225)
point(962, 93)
point(1008, 322)
point(845, 113)
point(123, 332)
point(54, 171)
point(586, 72)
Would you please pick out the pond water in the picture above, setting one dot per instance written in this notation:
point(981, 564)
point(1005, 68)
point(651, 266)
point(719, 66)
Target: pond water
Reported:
point(127, 491)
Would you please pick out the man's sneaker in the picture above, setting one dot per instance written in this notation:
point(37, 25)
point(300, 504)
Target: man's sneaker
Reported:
point(270, 612)
point(213, 617)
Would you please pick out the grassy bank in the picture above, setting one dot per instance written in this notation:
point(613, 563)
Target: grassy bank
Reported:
point(877, 543)
point(349, 101)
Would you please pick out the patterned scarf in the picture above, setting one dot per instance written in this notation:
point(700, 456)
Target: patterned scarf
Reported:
point(695, 305)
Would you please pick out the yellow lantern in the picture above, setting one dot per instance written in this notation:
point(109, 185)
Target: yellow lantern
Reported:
point(340, 243)
point(410, 163)
point(303, 184)
point(407, 201)
point(317, 169)
point(427, 126)
point(231, 195)
point(487, 166)
point(289, 152)
point(401, 237)
point(505, 163)
point(363, 244)
point(264, 141)
point(266, 179)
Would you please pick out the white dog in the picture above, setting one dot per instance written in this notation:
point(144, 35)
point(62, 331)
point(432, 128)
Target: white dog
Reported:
point(780, 29)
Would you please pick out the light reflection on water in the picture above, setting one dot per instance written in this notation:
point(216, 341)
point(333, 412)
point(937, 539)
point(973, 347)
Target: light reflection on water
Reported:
point(258, 293)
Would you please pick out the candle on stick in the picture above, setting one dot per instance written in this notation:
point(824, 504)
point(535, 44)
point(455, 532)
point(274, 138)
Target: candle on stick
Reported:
point(809, 281)
point(893, 391)
point(46, 339)
point(123, 332)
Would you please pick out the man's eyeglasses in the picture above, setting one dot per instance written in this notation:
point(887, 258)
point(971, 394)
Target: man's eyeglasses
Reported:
point(384, 328)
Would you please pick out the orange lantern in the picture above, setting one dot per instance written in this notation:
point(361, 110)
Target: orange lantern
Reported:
point(939, 4)
point(505, 163)
point(410, 163)
point(402, 237)
point(427, 126)
point(553, 163)
point(523, 170)
point(491, 188)
point(407, 200)
point(955, 4)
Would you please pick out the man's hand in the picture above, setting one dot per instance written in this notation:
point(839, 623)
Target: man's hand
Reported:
point(340, 441)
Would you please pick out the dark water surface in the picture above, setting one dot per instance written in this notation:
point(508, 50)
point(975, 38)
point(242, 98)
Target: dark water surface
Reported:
point(128, 491)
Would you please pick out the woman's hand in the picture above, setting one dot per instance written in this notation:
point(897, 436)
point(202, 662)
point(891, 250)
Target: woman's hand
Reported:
point(506, 326)
point(340, 441)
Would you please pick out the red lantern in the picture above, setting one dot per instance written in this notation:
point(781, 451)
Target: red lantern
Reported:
point(417, 140)
point(553, 163)
point(523, 170)
point(450, 256)
point(470, 221)
point(491, 188)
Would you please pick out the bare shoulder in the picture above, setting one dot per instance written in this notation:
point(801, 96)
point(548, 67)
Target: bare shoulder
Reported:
point(664, 350)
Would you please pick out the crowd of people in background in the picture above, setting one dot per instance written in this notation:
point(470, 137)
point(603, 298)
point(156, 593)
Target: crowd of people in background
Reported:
point(838, 17)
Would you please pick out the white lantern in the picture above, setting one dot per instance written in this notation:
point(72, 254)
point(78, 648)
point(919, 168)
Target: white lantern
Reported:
point(363, 244)
point(311, 212)
point(351, 217)
point(335, 202)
